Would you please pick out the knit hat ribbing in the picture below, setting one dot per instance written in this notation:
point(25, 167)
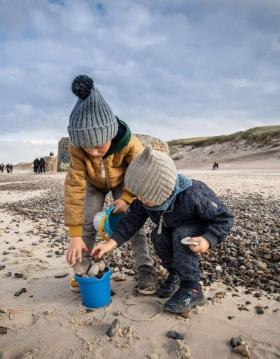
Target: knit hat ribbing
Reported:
point(151, 175)
point(92, 122)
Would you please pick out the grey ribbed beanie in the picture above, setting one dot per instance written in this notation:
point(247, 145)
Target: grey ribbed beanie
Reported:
point(151, 175)
point(92, 122)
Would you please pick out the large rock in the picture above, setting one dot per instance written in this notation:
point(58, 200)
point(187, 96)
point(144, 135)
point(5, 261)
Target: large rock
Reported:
point(63, 155)
point(51, 163)
point(156, 143)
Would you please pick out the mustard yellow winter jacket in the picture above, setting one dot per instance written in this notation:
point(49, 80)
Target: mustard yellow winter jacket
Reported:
point(104, 173)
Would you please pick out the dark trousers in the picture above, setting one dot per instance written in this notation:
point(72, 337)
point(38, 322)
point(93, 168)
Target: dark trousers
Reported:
point(175, 256)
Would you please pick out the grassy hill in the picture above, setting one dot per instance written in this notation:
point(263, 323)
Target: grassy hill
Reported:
point(264, 136)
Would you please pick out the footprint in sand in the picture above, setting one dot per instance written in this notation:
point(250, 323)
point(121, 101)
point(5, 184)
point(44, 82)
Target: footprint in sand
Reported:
point(142, 309)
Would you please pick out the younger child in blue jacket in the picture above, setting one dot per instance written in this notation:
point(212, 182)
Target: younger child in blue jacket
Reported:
point(181, 208)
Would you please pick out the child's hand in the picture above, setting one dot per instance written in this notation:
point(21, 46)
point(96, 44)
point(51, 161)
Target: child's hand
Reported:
point(76, 247)
point(202, 245)
point(103, 248)
point(121, 206)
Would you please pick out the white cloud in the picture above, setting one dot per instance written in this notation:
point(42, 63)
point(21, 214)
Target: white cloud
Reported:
point(168, 68)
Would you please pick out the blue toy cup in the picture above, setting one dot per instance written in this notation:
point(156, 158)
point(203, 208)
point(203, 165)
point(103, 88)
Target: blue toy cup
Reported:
point(112, 220)
point(95, 292)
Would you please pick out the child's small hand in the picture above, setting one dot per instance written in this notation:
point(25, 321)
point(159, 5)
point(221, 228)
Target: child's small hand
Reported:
point(75, 250)
point(121, 206)
point(202, 245)
point(103, 248)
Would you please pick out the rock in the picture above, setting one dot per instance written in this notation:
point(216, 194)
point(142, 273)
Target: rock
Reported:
point(234, 342)
point(259, 309)
point(20, 291)
point(243, 350)
point(2, 267)
point(82, 268)
point(35, 243)
point(19, 275)
point(119, 278)
point(113, 328)
point(172, 334)
point(61, 275)
point(220, 295)
point(183, 350)
point(153, 356)
point(218, 268)
point(94, 270)
point(117, 313)
point(3, 330)
point(102, 266)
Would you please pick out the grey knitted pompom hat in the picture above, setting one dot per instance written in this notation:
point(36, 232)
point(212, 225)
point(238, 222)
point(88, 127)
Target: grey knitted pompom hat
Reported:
point(92, 122)
point(151, 175)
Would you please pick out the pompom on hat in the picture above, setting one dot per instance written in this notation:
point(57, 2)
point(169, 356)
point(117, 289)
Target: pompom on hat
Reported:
point(92, 122)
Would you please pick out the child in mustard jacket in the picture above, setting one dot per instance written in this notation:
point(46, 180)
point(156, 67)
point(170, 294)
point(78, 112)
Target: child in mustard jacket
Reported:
point(101, 148)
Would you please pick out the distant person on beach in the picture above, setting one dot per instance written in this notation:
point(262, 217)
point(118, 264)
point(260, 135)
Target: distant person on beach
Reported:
point(182, 209)
point(9, 168)
point(2, 167)
point(215, 166)
point(101, 149)
point(42, 165)
point(36, 165)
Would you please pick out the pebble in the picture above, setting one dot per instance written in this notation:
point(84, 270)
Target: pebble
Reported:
point(35, 243)
point(172, 334)
point(119, 278)
point(113, 328)
point(2, 267)
point(153, 356)
point(234, 342)
point(94, 270)
point(82, 268)
point(3, 330)
point(243, 350)
point(61, 275)
point(259, 309)
point(218, 268)
point(18, 275)
point(20, 291)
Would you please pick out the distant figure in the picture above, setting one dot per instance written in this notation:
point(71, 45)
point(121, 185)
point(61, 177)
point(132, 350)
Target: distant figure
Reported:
point(51, 154)
point(11, 168)
point(8, 168)
point(42, 165)
point(2, 167)
point(36, 165)
point(215, 166)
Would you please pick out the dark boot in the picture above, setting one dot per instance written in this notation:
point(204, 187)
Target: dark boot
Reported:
point(168, 286)
point(184, 300)
point(147, 282)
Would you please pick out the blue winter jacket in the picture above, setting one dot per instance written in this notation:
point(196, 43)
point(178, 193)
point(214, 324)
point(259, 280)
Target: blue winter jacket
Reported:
point(197, 204)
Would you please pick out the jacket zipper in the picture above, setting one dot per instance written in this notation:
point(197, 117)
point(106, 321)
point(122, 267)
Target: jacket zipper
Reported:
point(161, 220)
point(104, 173)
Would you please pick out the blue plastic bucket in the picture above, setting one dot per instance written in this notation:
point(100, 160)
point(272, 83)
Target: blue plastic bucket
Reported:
point(112, 220)
point(95, 292)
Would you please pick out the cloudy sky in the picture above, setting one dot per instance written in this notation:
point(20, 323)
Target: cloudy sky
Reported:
point(169, 68)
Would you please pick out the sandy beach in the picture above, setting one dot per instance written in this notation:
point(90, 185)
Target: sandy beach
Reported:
point(47, 320)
